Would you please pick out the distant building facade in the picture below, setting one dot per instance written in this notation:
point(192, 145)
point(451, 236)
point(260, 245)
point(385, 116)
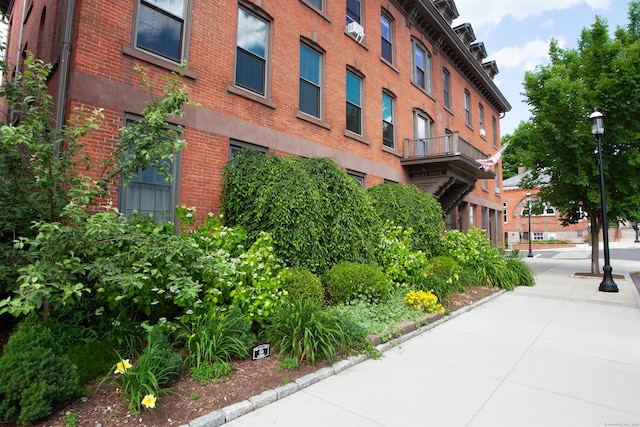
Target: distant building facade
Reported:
point(545, 219)
point(388, 89)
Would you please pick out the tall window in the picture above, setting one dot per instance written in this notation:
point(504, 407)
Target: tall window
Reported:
point(481, 117)
point(472, 215)
point(494, 131)
point(354, 103)
point(388, 114)
point(446, 88)
point(151, 193)
point(467, 107)
point(252, 52)
point(422, 131)
point(386, 32)
point(354, 11)
point(310, 81)
point(161, 27)
point(505, 213)
point(421, 67)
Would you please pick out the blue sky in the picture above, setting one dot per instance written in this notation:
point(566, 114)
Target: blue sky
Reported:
point(516, 34)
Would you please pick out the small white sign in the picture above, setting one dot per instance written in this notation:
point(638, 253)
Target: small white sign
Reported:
point(261, 351)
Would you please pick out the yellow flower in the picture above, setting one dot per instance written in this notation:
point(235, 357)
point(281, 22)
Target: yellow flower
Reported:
point(149, 401)
point(121, 367)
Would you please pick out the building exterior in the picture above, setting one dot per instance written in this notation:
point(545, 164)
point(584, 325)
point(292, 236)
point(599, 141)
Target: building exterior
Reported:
point(545, 220)
point(388, 89)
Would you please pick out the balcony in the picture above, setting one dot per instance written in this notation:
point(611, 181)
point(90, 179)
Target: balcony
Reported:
point(444, 166)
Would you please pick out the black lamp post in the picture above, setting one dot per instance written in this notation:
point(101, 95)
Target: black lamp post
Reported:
point(529, 215)
point(637, 228)
point(597, 129)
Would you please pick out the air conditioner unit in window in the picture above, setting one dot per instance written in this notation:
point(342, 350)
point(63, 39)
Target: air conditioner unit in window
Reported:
point(356, 30)
point(482, 133)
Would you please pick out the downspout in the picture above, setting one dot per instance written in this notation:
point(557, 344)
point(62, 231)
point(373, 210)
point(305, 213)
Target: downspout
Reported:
point(64, 65)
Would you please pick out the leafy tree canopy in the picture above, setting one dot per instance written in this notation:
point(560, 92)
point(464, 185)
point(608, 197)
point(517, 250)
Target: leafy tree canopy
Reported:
point(602, 72)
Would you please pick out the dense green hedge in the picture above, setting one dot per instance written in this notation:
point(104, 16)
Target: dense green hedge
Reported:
point(409, 207)
point(316, 213)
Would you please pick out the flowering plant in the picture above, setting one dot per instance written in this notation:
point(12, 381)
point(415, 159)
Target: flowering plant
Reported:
point(424, 301)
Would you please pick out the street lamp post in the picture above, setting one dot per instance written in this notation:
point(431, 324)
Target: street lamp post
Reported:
point(637, 228)
point(597, 129)
point(529, 215)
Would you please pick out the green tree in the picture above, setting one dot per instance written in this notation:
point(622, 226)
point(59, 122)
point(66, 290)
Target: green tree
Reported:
point(603, 72)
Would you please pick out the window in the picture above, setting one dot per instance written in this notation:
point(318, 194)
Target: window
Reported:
point(151, 193)
point(317, 3)
point(446, 88)
point(484, 185)
point(467, 107)
point(236, 146)
point(483, 218)
point(386, 32)
point(421, 67)
point(358, 177)
point(472, 216)
point(161, 27)
point(494, 131)
point(354, 11)
point(354, 103)
point(481, 118)
point(388, 114)
point(252, 52)
point(538, 235)
point(422, 131)
point(505, 213)
point(310, 94)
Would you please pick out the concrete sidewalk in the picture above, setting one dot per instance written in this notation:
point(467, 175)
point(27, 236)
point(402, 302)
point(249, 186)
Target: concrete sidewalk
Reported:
point(557, 354)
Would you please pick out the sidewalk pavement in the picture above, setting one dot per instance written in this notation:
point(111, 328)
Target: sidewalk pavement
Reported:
point(560, 353)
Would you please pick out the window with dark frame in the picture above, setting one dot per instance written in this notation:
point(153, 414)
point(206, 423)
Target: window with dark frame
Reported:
point(446, 88)
point(310, 93)
point(150, 193)
point(421, 67)
point(467, 107)
point(388, 114)
point(354, 103)
point(481, 117)
point(161, 27)
point(252, 51)
point(386, 32)
point(354, 11)
point(358, 177)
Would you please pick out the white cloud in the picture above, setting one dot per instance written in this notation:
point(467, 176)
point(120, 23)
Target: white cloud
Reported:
point(527, 56)
point(491, 13)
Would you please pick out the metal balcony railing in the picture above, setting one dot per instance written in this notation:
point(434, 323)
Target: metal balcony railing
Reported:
point(450, 144)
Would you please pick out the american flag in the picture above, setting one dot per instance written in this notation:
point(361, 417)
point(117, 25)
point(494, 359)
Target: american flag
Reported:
point(487, 164)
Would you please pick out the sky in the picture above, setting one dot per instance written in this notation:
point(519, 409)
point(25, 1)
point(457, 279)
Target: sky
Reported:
point(516, 34)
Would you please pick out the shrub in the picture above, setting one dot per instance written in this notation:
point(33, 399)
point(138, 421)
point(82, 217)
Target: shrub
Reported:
point(409, 207)
point(302, 284)
point(396, 256)
point(218, 337)
point(93, 359)
point(349, 281)
point(306, 332)
point(317, 215)
point(474, 251)
point(34, 374)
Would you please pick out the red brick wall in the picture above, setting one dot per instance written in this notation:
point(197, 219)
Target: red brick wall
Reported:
point(103, 29)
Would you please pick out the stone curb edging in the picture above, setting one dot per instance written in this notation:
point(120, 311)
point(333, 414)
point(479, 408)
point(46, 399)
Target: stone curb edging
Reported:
point(236, 410)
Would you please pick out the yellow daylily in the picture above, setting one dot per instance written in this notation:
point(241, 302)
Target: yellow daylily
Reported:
point(149, 401)
point(121, 367)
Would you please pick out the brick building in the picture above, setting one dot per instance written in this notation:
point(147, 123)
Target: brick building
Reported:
point(388, 89)
point(545, 220)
